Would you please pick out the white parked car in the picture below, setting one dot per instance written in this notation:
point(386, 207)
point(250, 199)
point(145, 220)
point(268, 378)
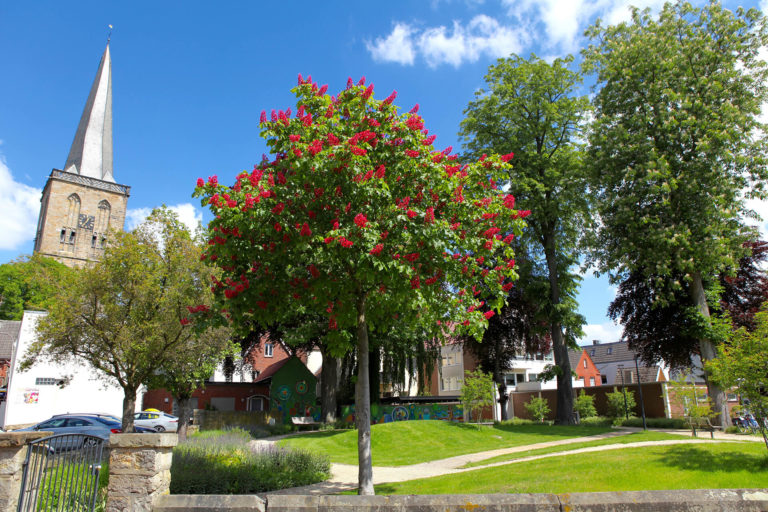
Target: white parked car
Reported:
point(157, 420)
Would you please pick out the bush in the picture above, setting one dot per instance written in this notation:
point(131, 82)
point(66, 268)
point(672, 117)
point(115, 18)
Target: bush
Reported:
point(538, 408)
point(515, 422)
point(733, 429)
point(615, 404)
point(655, 422)
point(585, 405)
point(223, 462)
point(596, 421)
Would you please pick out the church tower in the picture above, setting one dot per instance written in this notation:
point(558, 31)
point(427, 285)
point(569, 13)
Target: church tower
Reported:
point(82, 203)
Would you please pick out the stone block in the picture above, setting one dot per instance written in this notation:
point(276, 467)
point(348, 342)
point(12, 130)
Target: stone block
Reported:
point(207, 503)
point(155, 441)
point(698, 500)
point(427, 503)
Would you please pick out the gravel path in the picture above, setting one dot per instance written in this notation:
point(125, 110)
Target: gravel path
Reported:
point(344, 476)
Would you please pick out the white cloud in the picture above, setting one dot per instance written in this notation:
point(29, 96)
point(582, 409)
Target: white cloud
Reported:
point(606, 333)
point(483, 35)
point(396, 47)
point(21, 207)
point(761, 208)
point(190, 216)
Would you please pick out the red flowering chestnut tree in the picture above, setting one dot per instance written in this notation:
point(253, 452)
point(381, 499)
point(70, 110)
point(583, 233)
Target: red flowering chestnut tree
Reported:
point(358, 218)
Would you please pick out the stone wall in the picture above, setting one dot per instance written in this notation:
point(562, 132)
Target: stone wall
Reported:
point(139, 470)
point(699, 500)
point(219, 420)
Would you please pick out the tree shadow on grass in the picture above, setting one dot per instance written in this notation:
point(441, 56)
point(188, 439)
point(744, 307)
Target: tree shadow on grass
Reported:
point(696, 458)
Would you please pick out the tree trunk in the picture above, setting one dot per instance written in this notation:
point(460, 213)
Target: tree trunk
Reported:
point(374, 365)
point(129, 407)
point(184, 413)
point(498, 377)
point(363, 405)
point(564, 413)
point(709, 352)
point(329, 384)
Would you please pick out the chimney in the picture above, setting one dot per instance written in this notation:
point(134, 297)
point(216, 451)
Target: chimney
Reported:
point(595, 342)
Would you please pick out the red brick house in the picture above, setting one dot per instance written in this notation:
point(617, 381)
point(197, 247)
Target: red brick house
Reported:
point(585, 368)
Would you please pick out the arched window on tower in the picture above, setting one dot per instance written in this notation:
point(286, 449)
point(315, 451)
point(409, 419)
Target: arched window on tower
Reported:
point(69, 230)
point(102, 225)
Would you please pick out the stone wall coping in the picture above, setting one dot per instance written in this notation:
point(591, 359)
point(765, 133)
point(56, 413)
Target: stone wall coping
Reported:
point(209, 502)
point(13, 439)
point(168, 440)
point(698, 500)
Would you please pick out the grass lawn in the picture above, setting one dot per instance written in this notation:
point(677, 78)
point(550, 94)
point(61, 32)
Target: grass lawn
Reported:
point(635, 437)
point(410, 442)
point(700, 466)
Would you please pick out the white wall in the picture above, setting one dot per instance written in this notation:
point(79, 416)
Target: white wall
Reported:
point(31, 402)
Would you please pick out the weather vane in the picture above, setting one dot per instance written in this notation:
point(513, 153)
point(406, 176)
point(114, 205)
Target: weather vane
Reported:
point(109, 36)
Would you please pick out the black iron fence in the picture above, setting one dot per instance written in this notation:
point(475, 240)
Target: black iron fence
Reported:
point(61, 473)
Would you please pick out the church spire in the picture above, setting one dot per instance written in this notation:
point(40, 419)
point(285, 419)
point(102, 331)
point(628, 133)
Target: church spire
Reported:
point(91, 152)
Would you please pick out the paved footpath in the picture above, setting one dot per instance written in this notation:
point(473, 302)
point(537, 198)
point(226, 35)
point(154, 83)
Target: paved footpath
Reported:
point(344, 476)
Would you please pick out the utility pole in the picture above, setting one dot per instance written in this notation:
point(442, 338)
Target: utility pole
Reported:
point(624, 390)
point(640, 388)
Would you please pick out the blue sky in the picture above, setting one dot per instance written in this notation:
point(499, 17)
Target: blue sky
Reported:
point(190, 80)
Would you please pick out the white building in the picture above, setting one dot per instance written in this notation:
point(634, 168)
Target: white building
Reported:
point(46, 389)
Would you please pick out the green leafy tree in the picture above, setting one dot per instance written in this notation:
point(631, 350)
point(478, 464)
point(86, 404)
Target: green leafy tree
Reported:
point(127, 315)
point(28, 283)
point(537, 408)
point(676, 146)
point(192, 364)
point(620, 404)
point(359, 219)
point(476, 392)
point(743, 363)
point(530, 105)
point(585, 405)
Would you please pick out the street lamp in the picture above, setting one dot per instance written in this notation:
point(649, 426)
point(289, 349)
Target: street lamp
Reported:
point(640, 388)
point(624, 390)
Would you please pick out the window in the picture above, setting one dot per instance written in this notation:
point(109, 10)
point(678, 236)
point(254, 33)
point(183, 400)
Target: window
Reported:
point(267, 350)
point(63, 236)
point(585, 363)
point(45, 381)
point(93, 241)
point(610, 350)
point(628, 376)
point(533, 377)
point(591, 381)
point(603, 379)
point(72, 237)
point(592, 353)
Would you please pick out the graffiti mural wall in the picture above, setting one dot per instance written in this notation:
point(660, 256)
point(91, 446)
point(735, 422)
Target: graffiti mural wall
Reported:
point(404, 412)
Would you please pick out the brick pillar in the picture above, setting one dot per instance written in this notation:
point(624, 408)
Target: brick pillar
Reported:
point(139, 470)
point(13, 452)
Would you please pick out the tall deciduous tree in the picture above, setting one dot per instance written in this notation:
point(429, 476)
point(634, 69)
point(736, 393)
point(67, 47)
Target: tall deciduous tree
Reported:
point(661, 323)
point(27, 283)
point(531, 106)
point(676, 145)
point(360, 220)
point(126, 316)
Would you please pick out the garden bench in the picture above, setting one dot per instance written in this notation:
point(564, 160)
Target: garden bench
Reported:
point(702, 423)
point(304, 421)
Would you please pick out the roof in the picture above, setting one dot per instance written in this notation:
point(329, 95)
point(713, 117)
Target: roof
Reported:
point(271, 370)
point(91, 151)
point(647, 374)
point(610, 352)
point(574, 356)
point(9, 333)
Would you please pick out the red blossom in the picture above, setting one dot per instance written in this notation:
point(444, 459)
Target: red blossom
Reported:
point(411, 214)
point(414, 109)
point(278, 208)
point(361, 220)
point(358, 150)
point(263, 118)
point(384, 235)
point(305, 231)
point(415, 283)
point(213, 181)
point(412, 256)
point(509, 201)
point(328, 239)
point(489, 314)
point(507, 287)
point(346, 243)
point(294, 138)
point(411, 153)
point(507, 157)
point(332, 325)
point(380, 171)
point(278, 227)
point(184, 321)
point(313, 271)
point(429, 215)
point(376, 250)
point(200, 182)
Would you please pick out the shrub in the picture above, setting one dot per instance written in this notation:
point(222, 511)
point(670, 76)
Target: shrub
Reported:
point(223, 462)
point(733, 429)
point(615, 404)
point(515, 422)
point(597, 421)
point(585, 405)
point(538, 408)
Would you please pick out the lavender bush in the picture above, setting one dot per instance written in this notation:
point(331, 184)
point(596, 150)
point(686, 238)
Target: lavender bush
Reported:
point(223, 462)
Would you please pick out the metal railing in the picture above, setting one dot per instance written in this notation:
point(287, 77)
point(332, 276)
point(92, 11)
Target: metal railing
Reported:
point(61, 473)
